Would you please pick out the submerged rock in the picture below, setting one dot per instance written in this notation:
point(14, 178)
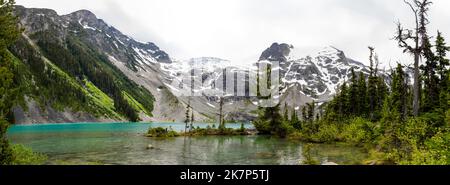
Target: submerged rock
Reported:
point(150, 147)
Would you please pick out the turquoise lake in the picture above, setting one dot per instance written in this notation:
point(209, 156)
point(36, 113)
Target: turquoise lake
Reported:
point(125, 143)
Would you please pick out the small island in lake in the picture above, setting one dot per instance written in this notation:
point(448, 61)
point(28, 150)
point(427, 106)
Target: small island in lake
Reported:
point(161, 132)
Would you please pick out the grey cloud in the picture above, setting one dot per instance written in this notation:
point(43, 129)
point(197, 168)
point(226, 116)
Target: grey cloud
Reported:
point(240, 29)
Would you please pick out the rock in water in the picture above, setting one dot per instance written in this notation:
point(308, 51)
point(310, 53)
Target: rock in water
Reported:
point(150, 147)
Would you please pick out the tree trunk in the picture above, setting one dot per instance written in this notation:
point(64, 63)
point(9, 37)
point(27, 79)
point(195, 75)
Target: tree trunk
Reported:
point(221, 113)
point(416, 88)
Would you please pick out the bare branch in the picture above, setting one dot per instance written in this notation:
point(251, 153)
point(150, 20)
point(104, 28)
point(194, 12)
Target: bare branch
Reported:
point(402, 37)
point(411, 6)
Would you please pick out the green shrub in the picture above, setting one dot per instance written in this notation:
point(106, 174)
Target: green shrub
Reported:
point(357, 131)
point(161, 132)
point(434, 119)
point(242, 129)
point(406, 143)
point(327, 133)
point(435, 151)
point(26, 156)
point(440, 145)
point(262, 126)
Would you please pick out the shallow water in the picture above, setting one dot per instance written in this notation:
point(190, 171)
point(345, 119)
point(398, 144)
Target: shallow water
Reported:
point(124, 143)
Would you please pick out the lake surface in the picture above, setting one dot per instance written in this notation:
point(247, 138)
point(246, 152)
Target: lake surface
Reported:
point(125, 143)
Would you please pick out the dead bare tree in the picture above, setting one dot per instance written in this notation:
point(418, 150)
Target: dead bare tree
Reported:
point(221, 119)
point(417, 36)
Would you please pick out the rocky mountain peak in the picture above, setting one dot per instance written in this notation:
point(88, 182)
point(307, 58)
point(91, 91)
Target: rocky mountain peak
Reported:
point(87, 19)
point(276, 52)
point(21, 10)
point(86, 14)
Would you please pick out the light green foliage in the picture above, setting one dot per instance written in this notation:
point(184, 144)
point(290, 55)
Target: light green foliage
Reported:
point(100, 99)
point(435, 151)
point(99, 95)
point(355, 132)
point(26, 156)
point(406, 143)
point(327, 133)
point(134, 103)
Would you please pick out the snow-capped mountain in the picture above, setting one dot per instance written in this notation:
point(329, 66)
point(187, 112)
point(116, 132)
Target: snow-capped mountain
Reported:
point(112, 40)
point(319, 75)
point(304, 78)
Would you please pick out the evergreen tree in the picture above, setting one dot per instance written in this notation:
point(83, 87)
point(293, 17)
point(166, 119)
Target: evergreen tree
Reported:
point(344, 101)
point(295, 122)
point(353, 93)
point(399, 92)
point(382, 92)
point(187, 119)
point(311, 109)
point(286, 113)
point(192, 120)
point(430, 78)
point(8, 93)
point(443, 70)
point(270, 121)
point(305, 114)
point(221, 116)
point(362, 95)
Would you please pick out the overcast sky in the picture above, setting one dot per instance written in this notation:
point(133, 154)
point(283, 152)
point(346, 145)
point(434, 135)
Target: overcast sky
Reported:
point(239, 30)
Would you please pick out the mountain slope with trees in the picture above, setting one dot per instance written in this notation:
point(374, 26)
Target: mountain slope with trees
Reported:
point(65, 78)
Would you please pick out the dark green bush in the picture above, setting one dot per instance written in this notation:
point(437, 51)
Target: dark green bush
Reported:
point(161, 132)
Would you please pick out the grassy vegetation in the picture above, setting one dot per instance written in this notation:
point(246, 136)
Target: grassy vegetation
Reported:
point(100, 99)
point(135, 104)
point(26, 156)
point(406, 143)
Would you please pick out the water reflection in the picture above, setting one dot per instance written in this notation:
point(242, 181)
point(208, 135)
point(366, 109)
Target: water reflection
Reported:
point(126, 144)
